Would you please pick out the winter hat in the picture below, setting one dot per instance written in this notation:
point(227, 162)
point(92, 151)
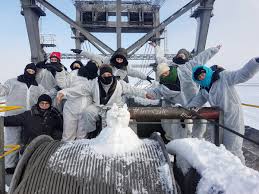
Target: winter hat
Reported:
point(72, 64)
point(55, 54)
point(105, 69)
point(162, 68)
point(44, 97)
point(208, 77)
point(185, 52)
point(30, 66)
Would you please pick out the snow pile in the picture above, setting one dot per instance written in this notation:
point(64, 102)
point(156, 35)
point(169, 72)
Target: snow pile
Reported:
point(117, 137)
point(221, 171)
point(145, 101)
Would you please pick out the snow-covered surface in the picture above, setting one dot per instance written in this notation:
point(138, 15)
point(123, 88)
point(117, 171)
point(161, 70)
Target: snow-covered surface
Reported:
point(221, 171)
point(117, 137)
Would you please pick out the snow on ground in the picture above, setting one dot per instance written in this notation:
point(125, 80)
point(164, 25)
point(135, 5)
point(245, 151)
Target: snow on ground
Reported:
point(221, 171)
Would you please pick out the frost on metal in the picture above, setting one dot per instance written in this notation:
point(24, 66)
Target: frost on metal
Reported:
point(117, 157)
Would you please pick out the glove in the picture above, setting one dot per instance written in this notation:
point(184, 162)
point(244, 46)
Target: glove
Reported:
point(56, 67)
point(177, 105)
point(195, 109)
point(77, 51)
point(150, 79)
point(41, 64)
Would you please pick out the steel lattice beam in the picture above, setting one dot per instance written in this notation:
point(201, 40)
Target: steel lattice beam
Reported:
point(133, 57)
point(95, 41)
point(139, 43)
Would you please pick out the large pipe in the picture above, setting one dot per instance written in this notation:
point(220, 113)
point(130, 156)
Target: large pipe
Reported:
point(157, 113)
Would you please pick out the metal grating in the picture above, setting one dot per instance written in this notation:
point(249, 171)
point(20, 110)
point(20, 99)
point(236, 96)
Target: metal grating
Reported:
point(75, 168)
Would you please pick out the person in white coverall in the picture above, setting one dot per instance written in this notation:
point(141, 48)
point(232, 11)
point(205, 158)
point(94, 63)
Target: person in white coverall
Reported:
point(46, 74)
point(177, 87)
point(105, 91)
point(119, 64)
point(217, 87)
point(21, 91)
point(75, 106)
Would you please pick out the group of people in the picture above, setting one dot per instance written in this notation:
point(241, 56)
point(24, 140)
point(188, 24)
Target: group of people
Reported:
point(71, 105)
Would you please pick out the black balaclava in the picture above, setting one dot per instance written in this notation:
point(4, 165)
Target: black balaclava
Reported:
point(179, 60)
point(27, 78)
point(105, 69)
point(72, 65)
point(89, 71)
point(44, 97)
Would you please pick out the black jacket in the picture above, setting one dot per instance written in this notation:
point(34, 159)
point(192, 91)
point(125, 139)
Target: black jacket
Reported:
point(35, 123)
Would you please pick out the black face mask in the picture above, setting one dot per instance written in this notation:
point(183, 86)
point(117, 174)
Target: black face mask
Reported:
point(29, 77)
point(179, 60)
point(106, 80)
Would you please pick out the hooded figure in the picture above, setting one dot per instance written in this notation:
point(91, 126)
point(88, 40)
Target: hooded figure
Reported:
point(218, 88)
point(75, 106)
point(119, 64)
point(182, 57)
point(105, 90)
point(177, 87)
point(76, 65)
point(46, 75)
point(22, 91)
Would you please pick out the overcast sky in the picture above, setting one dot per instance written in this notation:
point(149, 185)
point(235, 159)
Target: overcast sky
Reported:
point(234, 25)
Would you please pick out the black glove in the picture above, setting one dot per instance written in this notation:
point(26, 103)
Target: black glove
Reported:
point(41, 64)
point(150, 79)
point(77, 51)
point(57, 67)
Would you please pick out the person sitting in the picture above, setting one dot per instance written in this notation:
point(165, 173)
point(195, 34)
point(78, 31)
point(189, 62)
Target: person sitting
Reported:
point(41, 119)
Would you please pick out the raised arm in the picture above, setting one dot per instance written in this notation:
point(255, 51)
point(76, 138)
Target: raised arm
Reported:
point(95, 57)
point(160, 55)
point(203, 57)
point(132, 91)
point(244, 74)
point(135, 73)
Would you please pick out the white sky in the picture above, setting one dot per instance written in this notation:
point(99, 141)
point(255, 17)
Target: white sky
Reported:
point(234, 25)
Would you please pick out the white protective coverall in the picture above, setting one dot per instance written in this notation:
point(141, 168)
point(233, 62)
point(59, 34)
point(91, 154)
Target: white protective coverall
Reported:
point(173, 128)
point(74, 124)
point(223, 94)
point(92, 88)
point(17, 94)
point(116, 72)
point(48, 81)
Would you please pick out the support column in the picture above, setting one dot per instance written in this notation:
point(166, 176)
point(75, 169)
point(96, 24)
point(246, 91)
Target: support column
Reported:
point(202, 14)
point(77, 35)
point(32, 13)
point(2, 168)
point(118, 26)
